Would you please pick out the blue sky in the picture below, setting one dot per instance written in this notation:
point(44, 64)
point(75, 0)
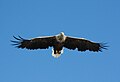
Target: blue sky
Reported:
point(96, 20)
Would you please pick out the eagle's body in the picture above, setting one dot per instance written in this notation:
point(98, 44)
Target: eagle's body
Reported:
point(58, 42)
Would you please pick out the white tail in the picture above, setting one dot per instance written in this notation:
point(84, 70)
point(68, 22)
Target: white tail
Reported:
point(58, 54)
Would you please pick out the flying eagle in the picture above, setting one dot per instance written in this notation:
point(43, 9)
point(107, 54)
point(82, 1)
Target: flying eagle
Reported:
point(58, 42)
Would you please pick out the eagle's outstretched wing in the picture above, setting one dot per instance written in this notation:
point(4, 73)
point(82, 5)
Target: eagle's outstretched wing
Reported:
point(83, 44)
point(35, 43)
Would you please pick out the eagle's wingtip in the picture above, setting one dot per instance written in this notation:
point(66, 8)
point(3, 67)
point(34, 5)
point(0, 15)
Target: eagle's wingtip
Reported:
point(103, 46)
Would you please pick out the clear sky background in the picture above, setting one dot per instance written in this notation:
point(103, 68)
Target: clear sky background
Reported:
point(96, 20)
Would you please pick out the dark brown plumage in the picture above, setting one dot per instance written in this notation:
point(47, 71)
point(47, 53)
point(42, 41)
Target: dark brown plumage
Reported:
point(83, 44)
point(35, 43)
point(58, 42)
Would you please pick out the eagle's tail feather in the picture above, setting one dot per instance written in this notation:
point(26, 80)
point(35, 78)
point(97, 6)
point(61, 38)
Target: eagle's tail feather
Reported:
point(56, 53)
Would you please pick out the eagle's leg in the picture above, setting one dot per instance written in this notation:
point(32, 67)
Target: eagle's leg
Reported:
point(56, 53)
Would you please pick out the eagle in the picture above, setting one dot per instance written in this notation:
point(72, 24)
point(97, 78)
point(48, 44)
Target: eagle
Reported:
point(58, 42)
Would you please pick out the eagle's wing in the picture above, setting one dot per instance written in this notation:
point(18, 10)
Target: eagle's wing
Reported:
point(83, 44)
point(35, 43)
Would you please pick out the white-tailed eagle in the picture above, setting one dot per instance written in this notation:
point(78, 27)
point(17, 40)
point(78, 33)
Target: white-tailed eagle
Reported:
point(58, 42)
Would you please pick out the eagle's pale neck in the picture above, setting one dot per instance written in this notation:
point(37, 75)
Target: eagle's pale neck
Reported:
point(61, 37)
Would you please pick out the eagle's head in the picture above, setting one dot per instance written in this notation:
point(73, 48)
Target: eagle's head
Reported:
point(62, 34)
point(61, 37)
